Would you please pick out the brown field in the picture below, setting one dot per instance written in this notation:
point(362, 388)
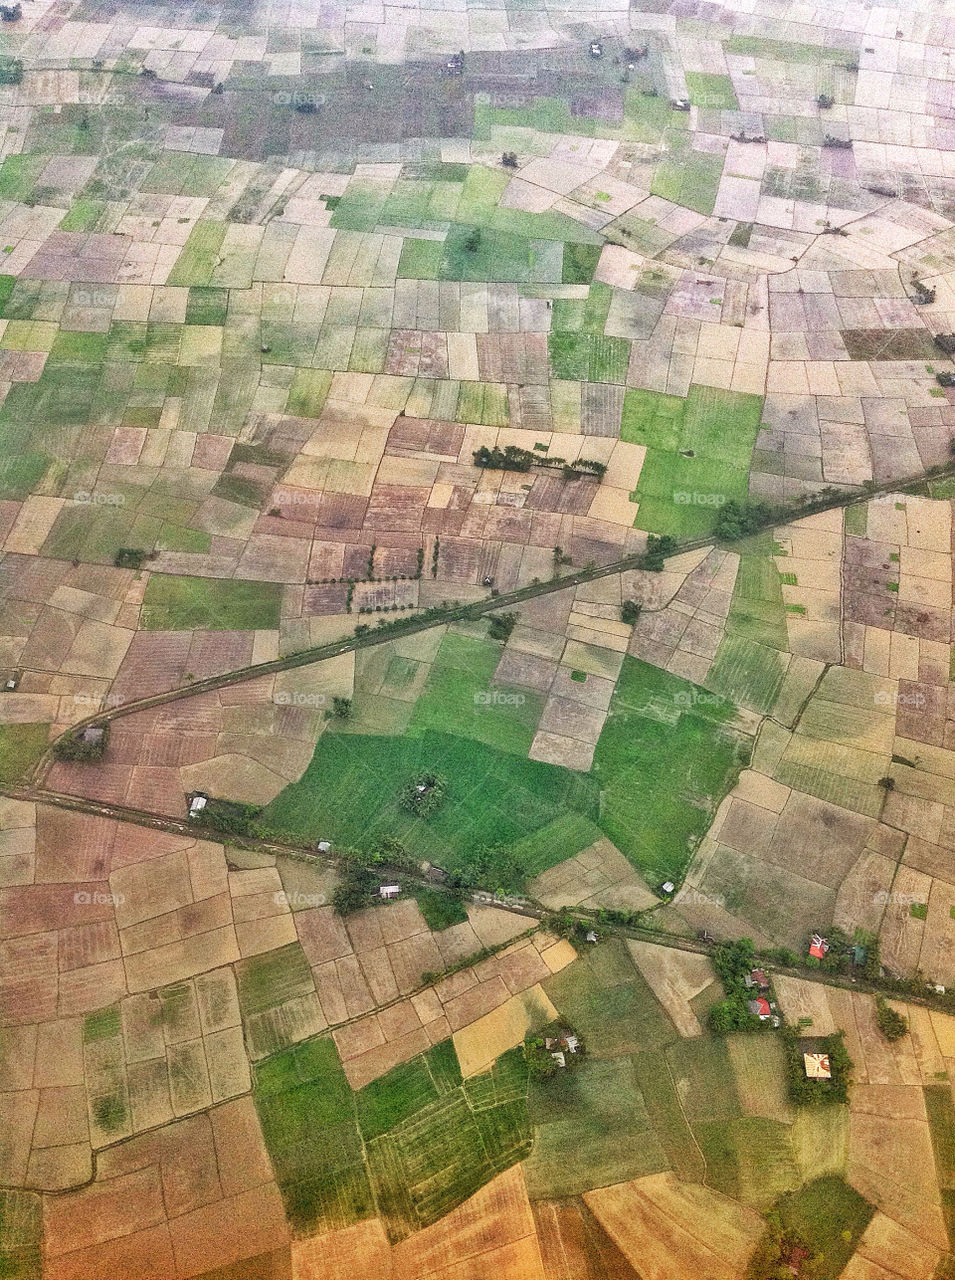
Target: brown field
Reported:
point(675, 977)
point(676, 1231)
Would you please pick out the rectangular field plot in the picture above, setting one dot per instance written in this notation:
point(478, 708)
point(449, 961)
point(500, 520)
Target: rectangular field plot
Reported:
point(192, 604)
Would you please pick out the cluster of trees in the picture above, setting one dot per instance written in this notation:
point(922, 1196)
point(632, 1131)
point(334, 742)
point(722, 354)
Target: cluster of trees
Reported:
point(355, 890)
point(541, 1063)
point(491, 864)
point(658, 548)
point(804, 1092)
point(733, 962)
point(502, 624)
point(630, 611)
point(779, 1252)
point(512, 458)
point(77, 749)
point(129, 557)
point(423, 794)
point(228, 816)
point(739, 519)
point(838, 959)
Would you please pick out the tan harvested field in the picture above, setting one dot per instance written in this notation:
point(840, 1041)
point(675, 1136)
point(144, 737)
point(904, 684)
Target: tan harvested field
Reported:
point(675, 1231)
point(675, 978)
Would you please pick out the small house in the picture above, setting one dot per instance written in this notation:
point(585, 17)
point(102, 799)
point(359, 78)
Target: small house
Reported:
point(323, 846)
point(761, 1007)
point(938, 988)
point(573, 1044)
point(757, 978)
point(197, 803)
point(92, 735)
point(818, 947)
point(559, 1058)
point(668, 886)
point(596, 49)
point(817, 1066)
point(591, 936)
point(387, 891)
point(10, 685)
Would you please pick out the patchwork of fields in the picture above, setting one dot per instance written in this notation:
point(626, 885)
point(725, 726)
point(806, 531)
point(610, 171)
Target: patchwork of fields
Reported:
point(315, 319)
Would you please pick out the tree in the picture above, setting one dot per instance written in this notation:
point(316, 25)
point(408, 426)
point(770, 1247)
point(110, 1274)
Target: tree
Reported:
point(740, 519)
point(341, 708)
point(354, 890)
point(892, 1025)
point(502, 624)
point(658, 548)
point(630, 611)
point(472, 241)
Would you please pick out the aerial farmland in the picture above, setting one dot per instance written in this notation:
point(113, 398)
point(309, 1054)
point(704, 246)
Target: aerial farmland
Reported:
point(477, 730)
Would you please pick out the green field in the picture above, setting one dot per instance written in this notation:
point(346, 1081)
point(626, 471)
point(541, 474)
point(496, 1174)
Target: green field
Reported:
point(395, 1097)
point(664, 761)
point(21, 1235)
point(698, 455)
point(308, 1118)
point(495, 796)
point(591, 1129)
point(350, 793)
point(439, 1150)
point(191, 604)
point(607, 1000)
point(711, 91)
point(687, 177)
point(21, 746)
point(459, 698)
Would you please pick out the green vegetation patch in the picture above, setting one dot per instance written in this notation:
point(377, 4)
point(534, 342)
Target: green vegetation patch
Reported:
point(440, 909)
point(941, 1121)
point(191, 604)
point(786, 50)
point(579, 263)
point(591, 1128)
point(351, 792)
point(21, 1235)
point(664, 761)
point(609, 1003)
point(588, 357)
point(426, 1165)
point(406, 1089)
point(307, 1112)
point(459, 697)
point(829, 1217)
point(714, 92)
point(687, 177)
point(21, 746)
point(207, 306)
point(196, 263)
point(696, 461)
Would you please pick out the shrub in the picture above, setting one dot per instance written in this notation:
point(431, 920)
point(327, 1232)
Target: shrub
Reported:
point(423, 794)
point(892, 1025)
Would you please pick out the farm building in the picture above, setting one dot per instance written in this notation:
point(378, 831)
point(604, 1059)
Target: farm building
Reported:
point(387, 891)
point(817, 1066)
point(197, 803)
